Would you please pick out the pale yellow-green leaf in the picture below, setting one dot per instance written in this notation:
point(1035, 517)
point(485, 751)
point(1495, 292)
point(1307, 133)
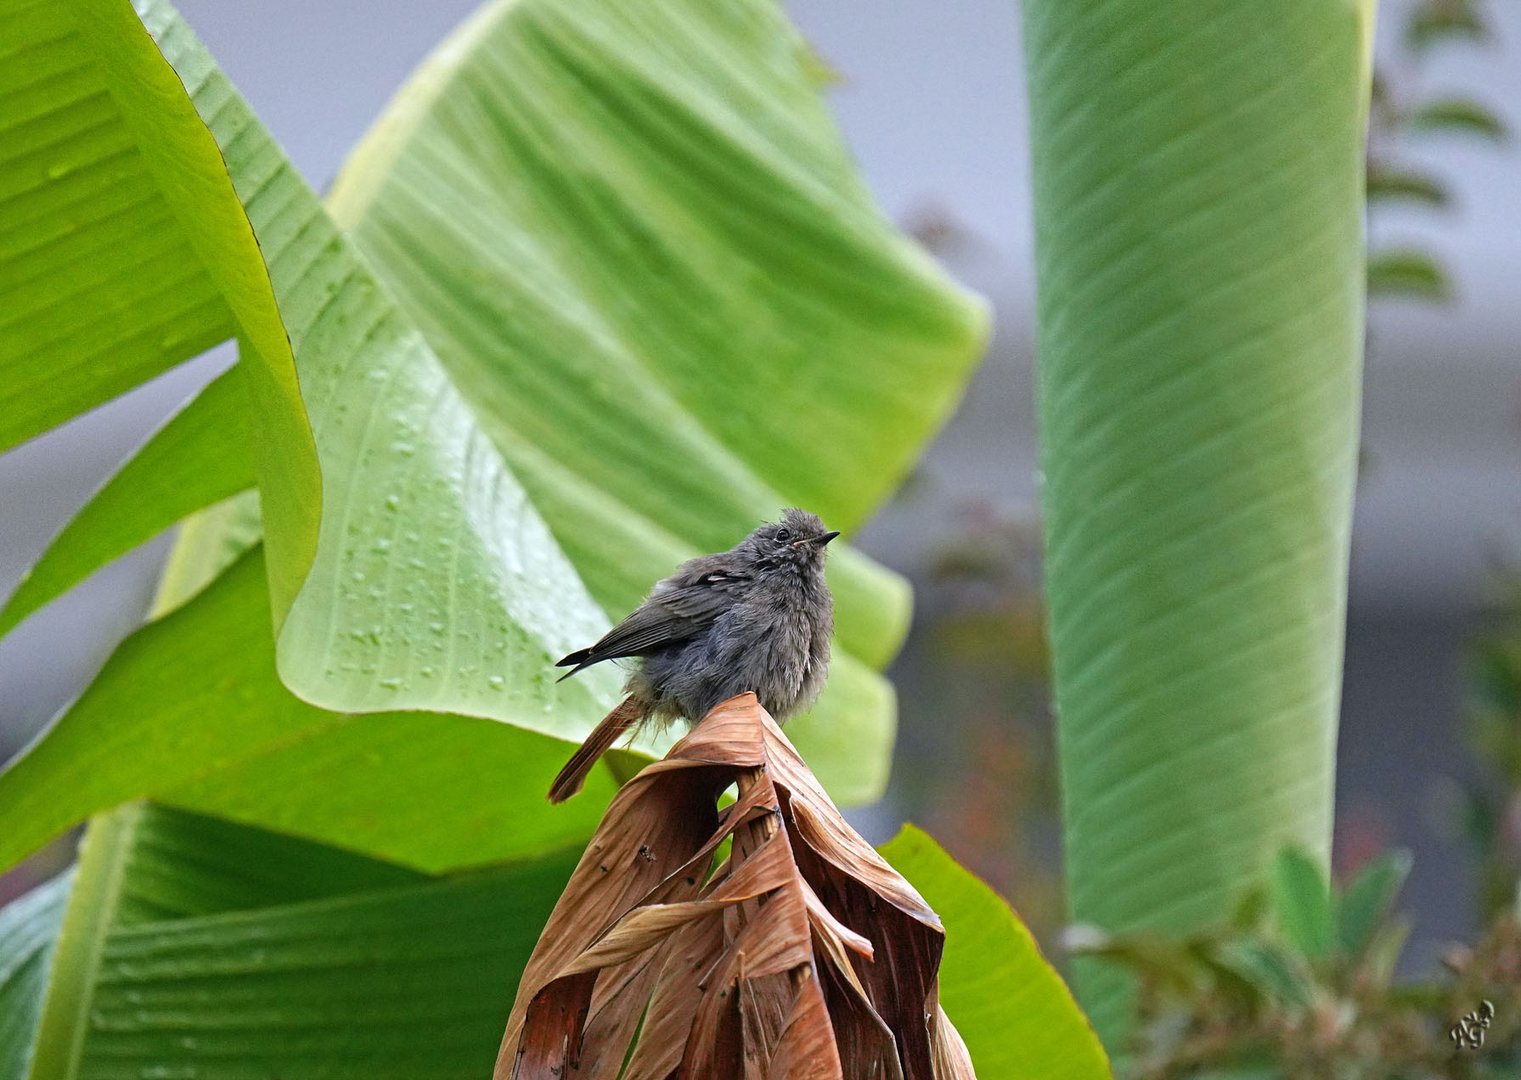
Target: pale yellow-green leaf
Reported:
point(1198, 174)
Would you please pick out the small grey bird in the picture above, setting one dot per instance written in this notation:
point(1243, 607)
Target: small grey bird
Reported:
point(756, 617)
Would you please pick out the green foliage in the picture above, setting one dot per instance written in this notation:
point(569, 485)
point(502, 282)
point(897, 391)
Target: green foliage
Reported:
point(773, 302)
point(1402, 115)
point(28, 928)
point(1304, 904)
point(429, 790)
point(1491, 796)
point(1407, 273)
point(133, 253)
point(1013, 1010)
point(488, 436)
point(191, 946)
point(200, 456)
point(1270, 970)
point(1200, 278)
point(1395, 185)
point(1434, 22)
point(1459, 116)
point(1368, 899)
point(100, 324)
point(599, 277)
point(1262, 996)
point(184, 944)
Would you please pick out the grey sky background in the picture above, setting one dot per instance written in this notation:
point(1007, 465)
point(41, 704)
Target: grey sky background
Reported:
point(932, 104)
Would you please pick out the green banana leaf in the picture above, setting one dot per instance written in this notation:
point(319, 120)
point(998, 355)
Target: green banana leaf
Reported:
point(483, 543)
point(70, 157)
point(28, 929)
point(189, 711)
point(187, 945)
point(1012, 1008)
point(436, 583)
point(1198, 196)
point(190, 946)
point(633, 236)
point(199, 457)
point(130, 252)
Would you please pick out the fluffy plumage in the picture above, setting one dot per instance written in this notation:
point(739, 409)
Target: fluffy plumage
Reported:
point(756, 617)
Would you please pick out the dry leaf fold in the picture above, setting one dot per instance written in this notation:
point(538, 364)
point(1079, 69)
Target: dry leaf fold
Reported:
point(801, 956)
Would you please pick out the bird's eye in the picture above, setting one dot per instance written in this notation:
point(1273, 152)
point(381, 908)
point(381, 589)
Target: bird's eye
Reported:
point(783, 535)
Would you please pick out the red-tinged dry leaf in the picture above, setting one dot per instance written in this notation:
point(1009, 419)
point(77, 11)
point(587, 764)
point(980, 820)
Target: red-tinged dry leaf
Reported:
point(803, 956)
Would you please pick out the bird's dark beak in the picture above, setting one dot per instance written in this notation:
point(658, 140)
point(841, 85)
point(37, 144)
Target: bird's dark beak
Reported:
point(820, 540)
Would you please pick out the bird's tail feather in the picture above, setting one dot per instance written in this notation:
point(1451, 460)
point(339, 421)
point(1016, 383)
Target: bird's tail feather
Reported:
point(577, 658)
point(599, 742)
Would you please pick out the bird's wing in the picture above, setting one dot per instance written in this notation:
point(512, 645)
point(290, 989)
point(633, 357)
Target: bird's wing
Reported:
point(678, 608)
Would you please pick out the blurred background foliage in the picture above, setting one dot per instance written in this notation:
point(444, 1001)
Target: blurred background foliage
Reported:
point(1303, 983)
point(1363, 1010)
point(980, 652)
point(1407, 111)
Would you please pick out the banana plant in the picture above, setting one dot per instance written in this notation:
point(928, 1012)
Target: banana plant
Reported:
point(1199, 194)
point(577, 308)
point(503, 396)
